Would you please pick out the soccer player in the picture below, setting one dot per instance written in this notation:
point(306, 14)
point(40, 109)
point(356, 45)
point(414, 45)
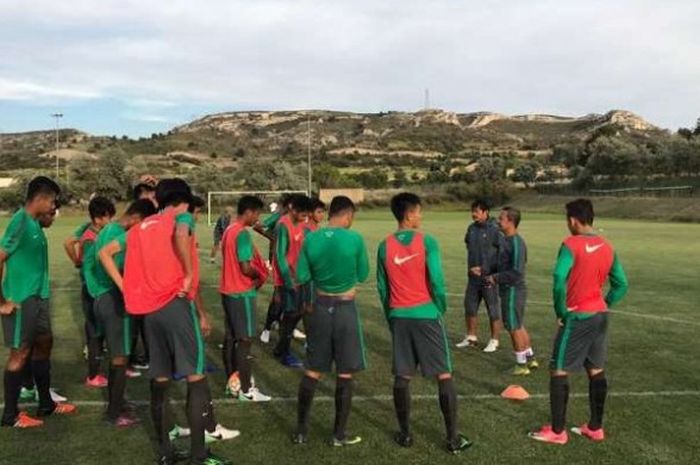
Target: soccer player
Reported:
point(412, 291)
point(510, 279)
point(317, 215)
point(80, 252)
point(289, 236)
point(334, 258)
point(28, 392)
point(242, 272)
point(585, 262)
point(159, 283)
point(483, 240)
point(267, 229)
point(103, 275)
point(221, 224)
point(144, 190)
point(24, 305)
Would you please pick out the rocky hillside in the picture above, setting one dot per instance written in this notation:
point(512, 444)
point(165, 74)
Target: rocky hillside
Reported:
point(346, 140)
point(429, 132)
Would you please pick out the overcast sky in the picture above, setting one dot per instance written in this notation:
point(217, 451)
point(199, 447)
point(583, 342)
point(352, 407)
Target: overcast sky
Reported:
point(141, 66)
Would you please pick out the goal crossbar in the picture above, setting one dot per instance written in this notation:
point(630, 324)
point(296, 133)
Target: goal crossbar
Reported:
point(211, 194)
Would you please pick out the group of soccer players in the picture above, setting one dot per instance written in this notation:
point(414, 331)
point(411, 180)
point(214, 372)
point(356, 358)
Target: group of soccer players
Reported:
point(142, 271)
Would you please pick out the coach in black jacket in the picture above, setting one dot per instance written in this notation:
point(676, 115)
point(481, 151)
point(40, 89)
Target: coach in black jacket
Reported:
point(483, 240)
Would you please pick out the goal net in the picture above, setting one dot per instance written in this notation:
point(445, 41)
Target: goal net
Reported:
point(217, 201)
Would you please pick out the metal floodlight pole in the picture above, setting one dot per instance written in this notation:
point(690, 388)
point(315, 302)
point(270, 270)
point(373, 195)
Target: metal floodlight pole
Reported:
point(57, 116)
point(308, 155)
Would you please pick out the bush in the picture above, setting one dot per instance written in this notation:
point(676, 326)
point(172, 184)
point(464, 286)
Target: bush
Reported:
point(498, 192)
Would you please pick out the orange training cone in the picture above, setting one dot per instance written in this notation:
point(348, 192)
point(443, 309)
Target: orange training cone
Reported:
point(515, 392)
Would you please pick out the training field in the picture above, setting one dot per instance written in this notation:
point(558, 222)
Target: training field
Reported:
point(652, 413)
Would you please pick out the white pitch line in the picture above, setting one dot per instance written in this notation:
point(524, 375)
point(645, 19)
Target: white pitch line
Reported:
point(387, 398)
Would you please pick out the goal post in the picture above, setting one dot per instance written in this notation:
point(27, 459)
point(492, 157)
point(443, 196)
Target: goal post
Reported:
point(213, 196)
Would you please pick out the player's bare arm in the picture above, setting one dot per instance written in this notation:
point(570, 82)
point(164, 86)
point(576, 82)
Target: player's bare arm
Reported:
point(71, 247)
point(6, 306)
point(106, 255)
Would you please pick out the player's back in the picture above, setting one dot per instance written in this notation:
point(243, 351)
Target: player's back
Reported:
point(335, 258)
point(153, 274)
point(593, 258)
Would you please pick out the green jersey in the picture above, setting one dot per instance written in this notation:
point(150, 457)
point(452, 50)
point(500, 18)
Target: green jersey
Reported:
point(96, 278)
point(270, 222)
point(334, 259)
point(188, 219)
point(435, 280)
point(27, 265)
point(78, 233)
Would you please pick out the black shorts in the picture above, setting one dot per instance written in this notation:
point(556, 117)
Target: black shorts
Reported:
point(513, 306)
point(175, 342)
point(581, 344)
point(239, 314)
point(30, 320)
point(420, 343)
point(334, 335)
point(116, 325)
point(475, 293)
point(92, 329)
point(292, 300)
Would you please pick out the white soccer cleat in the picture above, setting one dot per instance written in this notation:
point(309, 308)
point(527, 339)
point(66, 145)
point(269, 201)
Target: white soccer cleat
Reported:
point(253, 395)
point(179, 432)
point(299, 334)
point(220, 433)
point(468, 341)
point(265, 336)
point(55, 396)
point(492, 346)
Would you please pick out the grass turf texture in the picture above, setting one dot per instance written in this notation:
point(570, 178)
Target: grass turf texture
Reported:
point(647, 354)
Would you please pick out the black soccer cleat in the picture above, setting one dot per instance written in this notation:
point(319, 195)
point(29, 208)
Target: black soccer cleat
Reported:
point(458, 445)
point(403, 440)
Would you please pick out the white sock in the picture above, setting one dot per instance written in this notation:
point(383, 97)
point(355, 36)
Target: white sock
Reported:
point(521, 357)
point(530, 352)
point(471, 338)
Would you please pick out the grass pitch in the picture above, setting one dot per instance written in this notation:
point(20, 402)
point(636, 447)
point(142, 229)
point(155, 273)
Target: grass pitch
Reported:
point(652, 412)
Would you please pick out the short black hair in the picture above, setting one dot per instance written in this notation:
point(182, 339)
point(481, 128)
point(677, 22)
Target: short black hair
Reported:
point(402, 203)
point(300, 203)
point(249, 202)
point(582, 210)
point(197, 202)
point(481, 204)
point(101, 206)
point(340, 204)
point(285, 199)
point(317, 203)
point(140, 188)
point(41, 185)
point(513, 214)
point(173, 191)
point(142, 207)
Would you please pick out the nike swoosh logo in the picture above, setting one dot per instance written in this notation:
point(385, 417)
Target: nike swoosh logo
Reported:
point(146, 224)
point(401, 260)
point(591, 249)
